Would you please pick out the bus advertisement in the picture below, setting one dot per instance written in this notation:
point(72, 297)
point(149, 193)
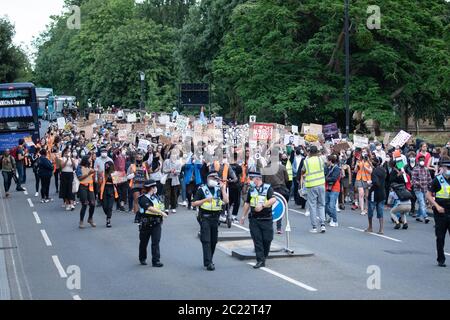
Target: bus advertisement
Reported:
point(18, 114)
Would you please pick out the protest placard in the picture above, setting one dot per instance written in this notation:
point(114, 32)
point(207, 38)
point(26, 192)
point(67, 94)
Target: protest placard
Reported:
point(341, 146)
point(61, 121)
point(119, 177)
point(400, 139)
point(182, 123)
point(291, 139)
point(122, 135)
point(164, 119)
point(252, 119)
point(218, 122)
point(131, 117)
point(261, 131)
point(315, 129)
point(294, 129)
point(143, 144)
point(330, 131)
point(360, 142)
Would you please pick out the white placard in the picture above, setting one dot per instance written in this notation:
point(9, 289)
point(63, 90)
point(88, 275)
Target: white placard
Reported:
point(252, 119)
point(360, 142)
point(164, 119)
point(131, 117)
point(122, 135)
point(143, 144)
point(61, 122)
point(294, 129)
point(292, 139)
point(218, 122)
point(400, 139)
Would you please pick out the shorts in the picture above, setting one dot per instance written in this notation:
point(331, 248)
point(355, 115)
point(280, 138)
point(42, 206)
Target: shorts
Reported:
point(85, 195)
point(379, 206)
point(361, 184)
point(133, 190)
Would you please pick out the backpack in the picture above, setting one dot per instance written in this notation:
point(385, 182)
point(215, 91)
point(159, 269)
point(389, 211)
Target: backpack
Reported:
point(402, 193)
point(13, 153)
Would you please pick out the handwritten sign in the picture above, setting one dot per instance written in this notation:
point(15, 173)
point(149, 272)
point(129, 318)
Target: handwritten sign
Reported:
point(261, 132)
point(315, 129)
point(122, 135)
point(330, 131)
point(400, 139)
point(61, 121)
point(360, 142)
point(143, 144)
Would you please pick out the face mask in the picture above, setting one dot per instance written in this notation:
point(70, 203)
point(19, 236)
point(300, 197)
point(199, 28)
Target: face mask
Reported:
point(82, 153)
point(348, 153)
point(378, 148)
point(212, 183)
point(74, 154)
point(447, 173)
point(252, 184)
point(421, 163)
point(388, 159)
point(104, 155)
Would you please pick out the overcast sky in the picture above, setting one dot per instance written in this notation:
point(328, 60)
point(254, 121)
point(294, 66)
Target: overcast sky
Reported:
point(29, 16)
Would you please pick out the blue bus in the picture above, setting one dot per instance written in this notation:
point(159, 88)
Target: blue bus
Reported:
point(43, 96)
point(18, 114)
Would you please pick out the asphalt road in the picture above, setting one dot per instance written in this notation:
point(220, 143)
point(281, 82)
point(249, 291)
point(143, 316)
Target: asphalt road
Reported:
point(41, 241)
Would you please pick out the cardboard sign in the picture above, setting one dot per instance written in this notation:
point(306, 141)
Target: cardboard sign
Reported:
point(330, 131)
point(182, 123)
point(164, 119)
point(88, 132)
point(400, 139)
point(294, 129)
point(119, 177)
point(139, 127)
point(341, 146)
point(261, 132)
point(61, 123)
point(360, 142)
point(315, 129)
point(124, 126)
point(387, 136)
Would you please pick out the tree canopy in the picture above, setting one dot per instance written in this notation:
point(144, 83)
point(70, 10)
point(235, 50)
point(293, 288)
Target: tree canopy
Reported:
point(282, 60)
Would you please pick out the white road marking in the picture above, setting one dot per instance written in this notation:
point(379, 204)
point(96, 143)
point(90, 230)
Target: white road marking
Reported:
point(241, 227)
point(30, 202)
point(286, 278)
point(76, 297)
point(447, 254)
point(225, 250)
point(376, 234)
point(293, 210)
point(62, 272)
point(25, 192)
point(46, 238)
point(36, 216)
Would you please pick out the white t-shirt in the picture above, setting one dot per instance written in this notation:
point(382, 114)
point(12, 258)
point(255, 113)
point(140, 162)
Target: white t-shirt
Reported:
point(69, 165)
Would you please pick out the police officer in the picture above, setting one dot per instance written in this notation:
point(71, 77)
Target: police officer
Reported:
point(260, 199)
point(210, 198)
point(440, 187)
point(151, 213)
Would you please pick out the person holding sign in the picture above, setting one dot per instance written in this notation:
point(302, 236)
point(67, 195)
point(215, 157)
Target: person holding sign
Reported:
point(151, 214)
point(259, 202)
point(210, 199)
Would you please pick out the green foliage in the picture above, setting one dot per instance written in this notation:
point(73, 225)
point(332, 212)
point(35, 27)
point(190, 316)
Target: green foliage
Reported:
point(14, 65)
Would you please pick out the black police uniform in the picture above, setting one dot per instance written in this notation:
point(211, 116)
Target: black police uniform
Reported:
point(442, 220)
point(260, 223)
point(150, 226)
point(209, 222)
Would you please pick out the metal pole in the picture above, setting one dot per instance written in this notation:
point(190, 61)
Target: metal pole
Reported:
point(142, 95)
point(347, 69)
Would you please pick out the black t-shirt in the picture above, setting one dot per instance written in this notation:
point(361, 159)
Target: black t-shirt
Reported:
point(436, 187)
point(265, 213)
point(200, 195)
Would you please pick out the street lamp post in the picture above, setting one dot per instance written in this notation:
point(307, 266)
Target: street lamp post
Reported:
point(347, 69)
point(142, 77)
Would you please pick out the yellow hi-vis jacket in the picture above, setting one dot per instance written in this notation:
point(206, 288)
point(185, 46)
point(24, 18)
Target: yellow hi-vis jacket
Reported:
point(315, 174)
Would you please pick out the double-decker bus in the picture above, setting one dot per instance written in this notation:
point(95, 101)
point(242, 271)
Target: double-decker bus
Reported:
point(18, 114)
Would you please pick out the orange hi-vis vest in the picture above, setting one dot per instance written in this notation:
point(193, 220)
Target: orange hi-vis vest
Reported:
point(244, 178)
point(102, 188)
point(225, 170)
point(88, 181)
point(363, 173)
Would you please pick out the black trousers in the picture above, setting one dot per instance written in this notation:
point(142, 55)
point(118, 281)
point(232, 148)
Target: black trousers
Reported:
point(191, 189)
point(37, 181)
point(170, 195)
point(209, 230)
point(145, 233)
point(235, 200)
point(262, 235)
point(108, 201)
point(56, 174)
point(45, 187)
point(7, 179)
point(298, 200)
point(442, 222)
point(122, 190)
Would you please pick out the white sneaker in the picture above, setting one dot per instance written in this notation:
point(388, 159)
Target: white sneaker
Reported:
point(334, 224)
point(323, 229)
point(174, 211)
point(313, 230)
point(36, 194)
point(68, 208)
point(363, 213)
point(72, 207)
point(337, 209)
point(184, 203)
point(235, 220)
point(307, 213)
point(222, 218)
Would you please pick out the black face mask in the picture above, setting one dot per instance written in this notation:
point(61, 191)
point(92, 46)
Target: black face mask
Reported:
point(297, 152)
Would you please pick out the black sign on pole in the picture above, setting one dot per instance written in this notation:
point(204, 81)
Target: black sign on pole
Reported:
point(194, 94)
